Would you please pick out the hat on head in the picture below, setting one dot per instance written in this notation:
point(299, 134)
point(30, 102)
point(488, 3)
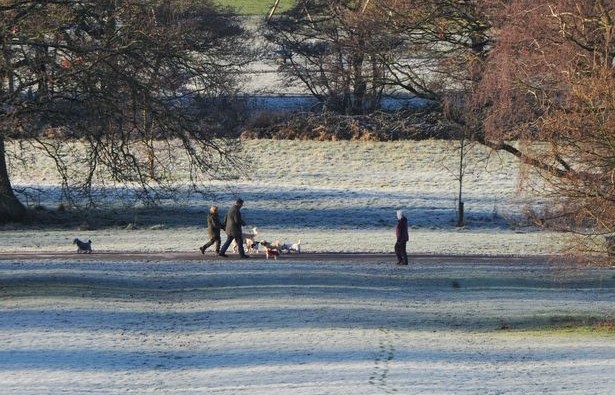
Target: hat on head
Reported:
point(239, 201)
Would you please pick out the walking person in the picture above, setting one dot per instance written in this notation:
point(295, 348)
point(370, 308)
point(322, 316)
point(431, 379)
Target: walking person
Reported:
point(233, 229)
point(213, 230)
point(401, 231)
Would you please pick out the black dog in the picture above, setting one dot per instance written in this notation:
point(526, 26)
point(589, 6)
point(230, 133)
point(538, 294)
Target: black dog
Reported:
point(82, 246)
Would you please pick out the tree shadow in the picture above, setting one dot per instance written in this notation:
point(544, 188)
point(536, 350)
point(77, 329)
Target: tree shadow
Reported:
point(287, 297)
point(281, 207)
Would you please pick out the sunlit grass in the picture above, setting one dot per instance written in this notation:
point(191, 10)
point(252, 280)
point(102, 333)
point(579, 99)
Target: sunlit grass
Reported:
point(567, 324)
point(256, 7)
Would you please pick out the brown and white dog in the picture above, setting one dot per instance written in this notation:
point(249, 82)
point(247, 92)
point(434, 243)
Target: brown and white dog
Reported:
point(271, 252)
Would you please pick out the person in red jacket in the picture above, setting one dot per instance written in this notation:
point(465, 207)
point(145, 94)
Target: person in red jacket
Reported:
point(401, 231)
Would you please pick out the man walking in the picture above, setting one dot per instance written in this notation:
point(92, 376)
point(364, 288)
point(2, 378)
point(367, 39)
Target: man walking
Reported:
point(233, 229)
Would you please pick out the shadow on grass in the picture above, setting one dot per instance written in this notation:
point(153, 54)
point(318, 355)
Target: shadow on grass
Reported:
point(323, 218)
point(162, 300)
point(281, 206)
point(306, 295)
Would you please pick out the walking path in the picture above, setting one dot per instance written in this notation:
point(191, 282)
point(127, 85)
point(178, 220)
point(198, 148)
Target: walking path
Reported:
point(317, 256)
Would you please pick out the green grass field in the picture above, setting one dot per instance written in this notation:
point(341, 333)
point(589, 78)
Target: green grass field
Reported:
point(256, 7)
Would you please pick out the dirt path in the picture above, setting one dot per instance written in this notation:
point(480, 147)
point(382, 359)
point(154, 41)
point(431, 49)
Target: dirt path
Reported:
point(305, 324)
point(209, 257)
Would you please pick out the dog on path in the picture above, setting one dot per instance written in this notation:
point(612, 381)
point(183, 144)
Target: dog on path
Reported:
point(271, 253)
point(83, 246)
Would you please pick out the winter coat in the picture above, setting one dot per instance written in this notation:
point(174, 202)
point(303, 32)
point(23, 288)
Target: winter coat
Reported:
point(234, 222)
point(402, 230)
point(213, 225)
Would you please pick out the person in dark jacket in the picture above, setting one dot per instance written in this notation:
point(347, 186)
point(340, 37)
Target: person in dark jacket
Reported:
point(233, 229)
point(401, 231)
point(213, 230)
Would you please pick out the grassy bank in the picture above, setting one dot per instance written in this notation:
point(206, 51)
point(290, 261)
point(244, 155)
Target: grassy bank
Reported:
point(255, 7)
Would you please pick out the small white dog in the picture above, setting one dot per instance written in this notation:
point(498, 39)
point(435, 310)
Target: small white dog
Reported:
point(83, 246)
point(295, 247)
point(249, 239)
point(286, 247)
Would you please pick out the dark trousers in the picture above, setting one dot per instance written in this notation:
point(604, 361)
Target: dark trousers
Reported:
point(228, 242)
point(400, 251)
point(214, 240)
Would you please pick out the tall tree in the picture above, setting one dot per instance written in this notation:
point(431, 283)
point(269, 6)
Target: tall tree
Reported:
point(329, 48)
point(126, 77)
point(549, 85)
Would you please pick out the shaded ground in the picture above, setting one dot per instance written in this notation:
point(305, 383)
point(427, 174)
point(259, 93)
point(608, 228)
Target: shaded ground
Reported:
point(306, 324)
point(209, 256)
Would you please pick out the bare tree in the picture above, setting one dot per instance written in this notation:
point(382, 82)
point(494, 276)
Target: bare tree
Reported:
point(351, 52)
point(126, 77)
point(533, 79)
point(329, 47)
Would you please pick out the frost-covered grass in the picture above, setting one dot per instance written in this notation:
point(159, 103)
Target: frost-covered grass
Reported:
point(302, 327)
point(306, 325)
point(333, 196)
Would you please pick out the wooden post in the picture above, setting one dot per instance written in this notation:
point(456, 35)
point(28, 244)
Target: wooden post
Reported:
point(460, 219)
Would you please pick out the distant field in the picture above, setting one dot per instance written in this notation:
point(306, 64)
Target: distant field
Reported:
point(256, 7)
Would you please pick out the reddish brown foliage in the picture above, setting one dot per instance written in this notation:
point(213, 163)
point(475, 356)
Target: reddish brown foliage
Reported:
point(549, 82)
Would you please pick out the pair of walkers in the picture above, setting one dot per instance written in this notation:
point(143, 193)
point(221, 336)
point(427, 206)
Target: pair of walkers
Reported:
point(232, 226)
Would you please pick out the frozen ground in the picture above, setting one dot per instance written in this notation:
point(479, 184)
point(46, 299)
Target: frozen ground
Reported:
point(333, 196)
point(439, 326)
point(175, 322)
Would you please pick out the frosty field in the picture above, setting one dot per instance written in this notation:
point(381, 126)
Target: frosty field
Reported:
point(333, 196)
point(486, 309)
point(439, 326)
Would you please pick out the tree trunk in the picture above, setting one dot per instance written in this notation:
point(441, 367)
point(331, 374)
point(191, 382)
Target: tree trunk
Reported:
point(273, 9)
point(11, 209)
point(460, 216)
